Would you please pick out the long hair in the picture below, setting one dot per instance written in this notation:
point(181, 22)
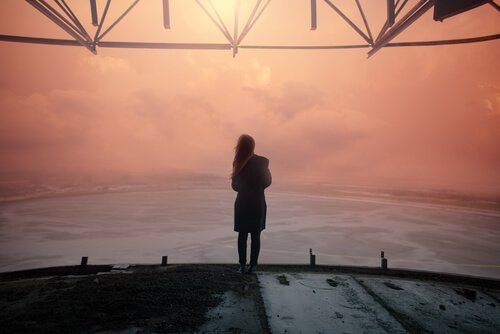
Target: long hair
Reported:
point(242, 153)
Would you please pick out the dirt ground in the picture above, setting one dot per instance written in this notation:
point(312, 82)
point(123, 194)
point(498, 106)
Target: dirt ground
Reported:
point(173, 300)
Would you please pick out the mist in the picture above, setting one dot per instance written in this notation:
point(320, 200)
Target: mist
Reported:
point(406, 118)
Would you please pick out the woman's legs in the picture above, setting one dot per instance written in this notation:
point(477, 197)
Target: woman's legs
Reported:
point(255, 248)
point(242, 247)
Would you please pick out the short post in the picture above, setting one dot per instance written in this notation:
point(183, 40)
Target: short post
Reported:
point(312, 258)
point(164, 260)
point(85, 259)
point(383, 261)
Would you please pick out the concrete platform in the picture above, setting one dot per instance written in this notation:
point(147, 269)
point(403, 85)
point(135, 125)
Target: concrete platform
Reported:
point(325, 303)
point(279, 299)
point(237, 314)
point(307, 303)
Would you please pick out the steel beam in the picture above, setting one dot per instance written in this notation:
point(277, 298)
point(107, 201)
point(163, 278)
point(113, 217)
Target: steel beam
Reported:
point(314, 15)
point(386, 24)
point(62, 18)
point(245, 29)
point(401, 8)
point(305, 47)
point(93, 13)
point(117, 20)
point(103, 18)
point(447, 41)
point(415, 13)
point(166, 14)
point(365, 21)
point(38, 40)
point(67, 10)
point(221, 21)
point(391, 12)
point(67, 20)
point(257, 17)
point(61, 24)
point(235, 36)
point(346, 19)
point(208, 46)
point(221, 25)
point(179, 46)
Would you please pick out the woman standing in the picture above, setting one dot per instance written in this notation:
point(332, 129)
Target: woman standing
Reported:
point(250, 177)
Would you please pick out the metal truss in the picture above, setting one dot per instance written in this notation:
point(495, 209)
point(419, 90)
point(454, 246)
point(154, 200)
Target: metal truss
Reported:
point(60, 13)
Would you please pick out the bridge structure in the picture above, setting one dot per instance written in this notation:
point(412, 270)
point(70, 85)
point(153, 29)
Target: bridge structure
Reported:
point(400, 14)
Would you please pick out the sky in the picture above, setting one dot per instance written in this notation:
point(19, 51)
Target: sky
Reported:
point(416, 117)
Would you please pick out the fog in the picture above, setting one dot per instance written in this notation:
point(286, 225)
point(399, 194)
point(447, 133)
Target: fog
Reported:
point(407, 117)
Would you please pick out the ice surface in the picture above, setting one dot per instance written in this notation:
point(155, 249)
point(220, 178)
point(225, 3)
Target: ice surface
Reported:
point(196, 225)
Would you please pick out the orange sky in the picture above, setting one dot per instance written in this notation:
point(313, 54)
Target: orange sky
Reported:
point(425, 117)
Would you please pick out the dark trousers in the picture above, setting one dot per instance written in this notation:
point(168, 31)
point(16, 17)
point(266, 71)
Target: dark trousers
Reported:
point(254, 248)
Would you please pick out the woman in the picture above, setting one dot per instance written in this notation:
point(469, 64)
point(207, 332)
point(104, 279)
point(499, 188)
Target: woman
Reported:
point(250, 177)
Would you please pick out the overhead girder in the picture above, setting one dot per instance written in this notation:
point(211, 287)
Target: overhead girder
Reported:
point(69, 22)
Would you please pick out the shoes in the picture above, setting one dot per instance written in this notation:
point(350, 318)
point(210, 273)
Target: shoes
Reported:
point(251, 269)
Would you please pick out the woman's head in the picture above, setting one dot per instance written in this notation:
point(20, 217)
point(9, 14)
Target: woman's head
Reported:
point(243, 152)
point(245, 145)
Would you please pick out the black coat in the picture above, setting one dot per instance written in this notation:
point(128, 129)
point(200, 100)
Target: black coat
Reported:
point(250, 205)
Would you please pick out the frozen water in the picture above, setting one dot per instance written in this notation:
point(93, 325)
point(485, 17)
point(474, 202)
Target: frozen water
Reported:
point(196, 225)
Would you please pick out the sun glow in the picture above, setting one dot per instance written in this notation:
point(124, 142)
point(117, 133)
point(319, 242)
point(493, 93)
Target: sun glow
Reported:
point(225, 8)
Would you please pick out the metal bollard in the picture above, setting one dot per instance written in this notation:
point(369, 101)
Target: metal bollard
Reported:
point(383, 261)
point(164, 260)
point(312, 258)
point(85, 259)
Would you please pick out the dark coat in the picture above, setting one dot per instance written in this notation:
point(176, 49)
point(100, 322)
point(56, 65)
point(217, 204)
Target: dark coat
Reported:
point(250, 205)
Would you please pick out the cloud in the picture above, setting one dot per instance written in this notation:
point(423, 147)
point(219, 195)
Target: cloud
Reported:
point(257, 76)
point(293, 98)
point(106, 64)
point(491, 101)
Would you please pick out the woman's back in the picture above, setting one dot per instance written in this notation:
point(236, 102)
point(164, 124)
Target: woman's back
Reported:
point(254, 177)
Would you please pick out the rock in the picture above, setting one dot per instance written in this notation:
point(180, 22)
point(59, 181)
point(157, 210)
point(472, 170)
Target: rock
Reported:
point(392, 286)
point(467, 293)
point(331, 282)
point(283, 280)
